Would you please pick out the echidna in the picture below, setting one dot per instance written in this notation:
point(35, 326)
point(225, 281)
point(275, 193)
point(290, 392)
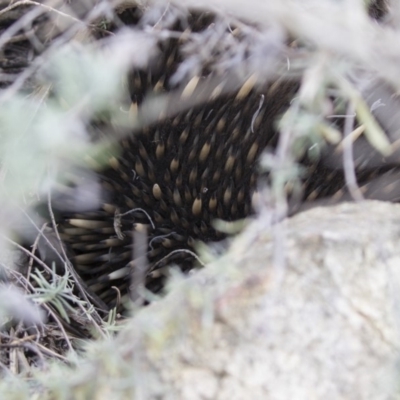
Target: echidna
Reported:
point(177, 175)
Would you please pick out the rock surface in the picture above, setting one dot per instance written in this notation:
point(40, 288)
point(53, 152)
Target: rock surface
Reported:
point(306, 310)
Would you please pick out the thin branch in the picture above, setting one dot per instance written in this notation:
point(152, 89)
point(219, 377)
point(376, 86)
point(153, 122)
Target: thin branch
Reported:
point(194, 255)
point(348, 161)
point(46, 306)
point(70, 268)
point(35, 3)
point(34, 248)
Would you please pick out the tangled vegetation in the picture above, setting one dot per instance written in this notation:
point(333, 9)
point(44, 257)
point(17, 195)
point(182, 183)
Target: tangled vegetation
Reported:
point(63, 66)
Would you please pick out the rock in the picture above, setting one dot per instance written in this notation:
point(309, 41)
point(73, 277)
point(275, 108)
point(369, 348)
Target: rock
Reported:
point(308, 309)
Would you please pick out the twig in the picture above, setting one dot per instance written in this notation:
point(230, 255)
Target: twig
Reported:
point(35, 3)
point(139, 265)
point(48, 309)
point(348, 161)
point(194, 255)
point(71, 270)
point(34, 248)
point(40, 60)
point(29, 253)
point(47, 351)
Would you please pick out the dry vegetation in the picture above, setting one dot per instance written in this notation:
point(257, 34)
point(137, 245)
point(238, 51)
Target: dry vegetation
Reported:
point(61, 68)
